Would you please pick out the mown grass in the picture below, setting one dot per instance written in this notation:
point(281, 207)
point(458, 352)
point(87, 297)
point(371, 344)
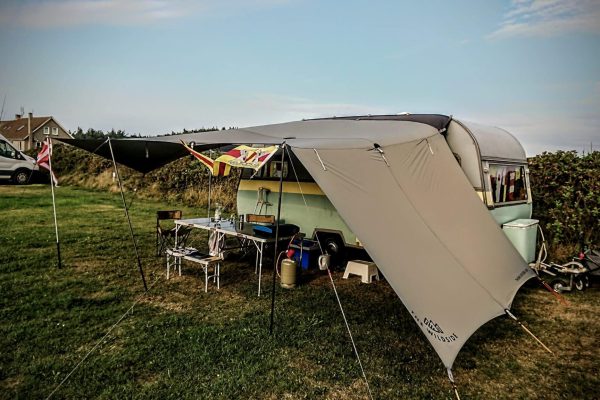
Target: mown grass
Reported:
point(179, 342)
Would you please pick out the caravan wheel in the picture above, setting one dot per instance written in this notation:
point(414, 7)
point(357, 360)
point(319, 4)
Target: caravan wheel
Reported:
point(332, 244)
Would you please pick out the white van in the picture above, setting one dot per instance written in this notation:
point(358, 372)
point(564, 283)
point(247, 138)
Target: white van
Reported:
point(15, 165)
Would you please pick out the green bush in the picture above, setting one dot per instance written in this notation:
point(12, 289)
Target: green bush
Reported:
point(566, 196)
point(184, 181)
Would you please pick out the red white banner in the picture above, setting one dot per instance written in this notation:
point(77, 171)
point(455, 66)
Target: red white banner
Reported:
point(43, 160)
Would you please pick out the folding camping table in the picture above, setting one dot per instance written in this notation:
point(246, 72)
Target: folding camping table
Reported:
point(225, 228)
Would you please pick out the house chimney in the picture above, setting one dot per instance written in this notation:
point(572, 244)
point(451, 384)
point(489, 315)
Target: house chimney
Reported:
point(18, 116)
point(29, 117)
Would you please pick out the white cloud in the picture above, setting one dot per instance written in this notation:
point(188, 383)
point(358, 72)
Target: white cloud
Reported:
point(549, 18)
point(67, 13)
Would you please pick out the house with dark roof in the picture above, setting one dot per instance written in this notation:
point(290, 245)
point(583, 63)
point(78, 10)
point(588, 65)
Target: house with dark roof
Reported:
point(30, 132)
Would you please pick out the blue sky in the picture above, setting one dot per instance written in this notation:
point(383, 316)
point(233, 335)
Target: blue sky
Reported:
point(151, 67)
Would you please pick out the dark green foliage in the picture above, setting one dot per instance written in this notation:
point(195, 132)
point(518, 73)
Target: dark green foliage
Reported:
point(184, 180)
point(566, 196)
point(98, 134)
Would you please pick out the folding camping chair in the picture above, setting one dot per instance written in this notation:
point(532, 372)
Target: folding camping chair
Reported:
point(165, 238)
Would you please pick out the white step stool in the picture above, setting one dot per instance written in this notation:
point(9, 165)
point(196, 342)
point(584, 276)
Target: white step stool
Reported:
point(366, 269)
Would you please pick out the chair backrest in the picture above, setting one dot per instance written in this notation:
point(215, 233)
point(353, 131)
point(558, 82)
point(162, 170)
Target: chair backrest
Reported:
point(168, 214)
point(262, 219)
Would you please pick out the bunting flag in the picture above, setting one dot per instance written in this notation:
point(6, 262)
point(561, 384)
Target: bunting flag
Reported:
point(43, 160)
point(248, 157)
point(240, 157)
point(217, 168)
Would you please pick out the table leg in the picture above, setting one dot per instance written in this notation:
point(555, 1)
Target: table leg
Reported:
point(168, 266)
point(256, 260)
point(260, 267)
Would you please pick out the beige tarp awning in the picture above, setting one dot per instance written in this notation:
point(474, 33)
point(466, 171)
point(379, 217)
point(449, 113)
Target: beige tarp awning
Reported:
point(415, 212)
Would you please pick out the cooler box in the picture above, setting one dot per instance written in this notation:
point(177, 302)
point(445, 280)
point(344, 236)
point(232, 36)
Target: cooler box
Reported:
point(306, 253)
point(523, 234)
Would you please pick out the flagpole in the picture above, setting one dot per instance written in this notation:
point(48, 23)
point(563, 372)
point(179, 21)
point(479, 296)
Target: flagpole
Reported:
point(52, 182)
point(137, 254)
point(210, 173)
point(277, 239)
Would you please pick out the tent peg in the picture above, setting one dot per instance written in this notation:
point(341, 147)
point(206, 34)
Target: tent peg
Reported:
point(511, 315)
point(560, 298)
point(454, 388)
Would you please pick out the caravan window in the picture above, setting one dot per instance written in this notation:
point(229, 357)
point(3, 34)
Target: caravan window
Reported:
point(508, 184)
point(272, 170)
point(275, 169)
point(293, 170)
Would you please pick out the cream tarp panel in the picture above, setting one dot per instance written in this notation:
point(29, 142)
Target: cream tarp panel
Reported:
point(418, 217)
point(428, 232)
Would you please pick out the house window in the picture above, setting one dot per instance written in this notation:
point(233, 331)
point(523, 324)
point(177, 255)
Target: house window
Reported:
point(55, 131)
point(508, 183)
point(46, 130)
point(38, 145)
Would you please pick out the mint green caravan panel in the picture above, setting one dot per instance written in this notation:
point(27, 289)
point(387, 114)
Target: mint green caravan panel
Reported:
point(317, 213)
point(506, 214)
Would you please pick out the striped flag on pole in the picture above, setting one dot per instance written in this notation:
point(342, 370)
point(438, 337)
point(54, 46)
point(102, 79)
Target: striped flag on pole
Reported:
point(241, 157)
point(43, 160)
point(217, 168)
point(248, 157)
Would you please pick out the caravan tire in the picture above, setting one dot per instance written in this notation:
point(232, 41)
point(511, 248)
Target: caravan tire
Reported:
point(332, 244)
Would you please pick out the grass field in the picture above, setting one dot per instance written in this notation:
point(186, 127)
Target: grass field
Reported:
point(179, 342)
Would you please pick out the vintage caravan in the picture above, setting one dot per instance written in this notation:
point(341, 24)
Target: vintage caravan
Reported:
point(491, 158)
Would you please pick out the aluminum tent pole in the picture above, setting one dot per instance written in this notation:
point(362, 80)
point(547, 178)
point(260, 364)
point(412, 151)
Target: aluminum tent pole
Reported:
point(137, 253)
point(277, 238)
point(52, 182)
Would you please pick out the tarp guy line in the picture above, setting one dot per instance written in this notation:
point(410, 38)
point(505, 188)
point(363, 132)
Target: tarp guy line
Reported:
point(103, 337)
point(137, 253)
